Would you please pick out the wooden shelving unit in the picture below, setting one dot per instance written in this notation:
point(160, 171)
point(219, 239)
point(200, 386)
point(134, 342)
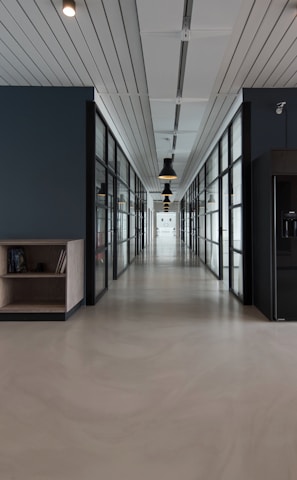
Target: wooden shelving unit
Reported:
point(42, 295)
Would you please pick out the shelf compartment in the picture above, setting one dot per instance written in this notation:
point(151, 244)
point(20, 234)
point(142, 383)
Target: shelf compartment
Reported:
point(34, 275)
point(42, 294)
point(40, 307)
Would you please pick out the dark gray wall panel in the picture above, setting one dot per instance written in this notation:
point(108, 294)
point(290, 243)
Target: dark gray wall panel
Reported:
point(270, 131)
point(43, 162)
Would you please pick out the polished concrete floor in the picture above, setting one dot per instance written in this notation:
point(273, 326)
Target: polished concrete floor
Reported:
point(169, 377)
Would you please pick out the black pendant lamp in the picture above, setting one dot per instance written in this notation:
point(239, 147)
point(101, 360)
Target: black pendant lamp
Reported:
point(167, 172)
point(166, 201)
point(167, 192)
point(211, 199)
point(102, 190)
point(121, 200)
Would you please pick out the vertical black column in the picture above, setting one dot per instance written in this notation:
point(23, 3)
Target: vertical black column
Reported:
point(90, 202)
point(246, 202)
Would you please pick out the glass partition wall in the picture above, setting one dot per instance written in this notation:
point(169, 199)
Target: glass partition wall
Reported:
point(113, 221)
point(212, 210)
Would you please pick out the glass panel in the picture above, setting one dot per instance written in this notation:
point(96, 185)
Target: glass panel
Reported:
point(100, 184)
point(212, 167)
point(100, 230)
point(201, 180)
point(208, 252)
point(212, 197)
point(236, 228)
point(236, 184)
point(215, 227)
point(110, 263)
point(110, 192)
point(201, 226)
point(123, 197)
point(237, 274)
point(122, 166)
point(100, 138)
point(236, 136)
point(225, 229)
point(111, 153)
point(100, 252)
point(132, 226)
point(100, 272)
point(132, 180)
point(212, 257)
point(208, 226)
point(224, 152)
point(188, 228)
point(202, 249)
point(122, 226)
point(132, 249)
point(122, 256)
point(110, 233)
point(132, 203)
point(201, 203)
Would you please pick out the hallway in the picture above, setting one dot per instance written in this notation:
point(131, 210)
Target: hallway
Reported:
point(168, 377)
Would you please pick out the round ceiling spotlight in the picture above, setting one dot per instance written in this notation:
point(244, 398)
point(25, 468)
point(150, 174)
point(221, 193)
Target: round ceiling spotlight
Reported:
point(69, 8)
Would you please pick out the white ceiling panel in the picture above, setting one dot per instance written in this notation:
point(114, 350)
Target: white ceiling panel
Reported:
point(191, 116)
point(160, 52)
point(160, 15)
point(215, 14)
point(163, 145)
point(163, 115)
point(203, 62)
point(184, 144)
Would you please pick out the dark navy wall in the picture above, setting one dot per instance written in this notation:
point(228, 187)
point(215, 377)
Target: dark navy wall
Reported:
point(43, 162)
point(270, 131)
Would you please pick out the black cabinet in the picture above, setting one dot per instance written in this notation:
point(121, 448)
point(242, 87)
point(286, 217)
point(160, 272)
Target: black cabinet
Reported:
point(274, 233)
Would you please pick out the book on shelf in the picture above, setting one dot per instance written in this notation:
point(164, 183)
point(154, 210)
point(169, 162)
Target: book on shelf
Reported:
point(61, 259)
point(63, 266)
point(16, 260)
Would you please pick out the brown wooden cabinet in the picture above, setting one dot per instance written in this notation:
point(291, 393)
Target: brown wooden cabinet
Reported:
point(42, 292)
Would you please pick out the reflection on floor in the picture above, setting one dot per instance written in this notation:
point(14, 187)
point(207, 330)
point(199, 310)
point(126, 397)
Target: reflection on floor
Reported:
point(169, 377)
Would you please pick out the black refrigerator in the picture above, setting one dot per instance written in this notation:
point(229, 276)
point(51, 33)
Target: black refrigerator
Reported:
point(274, 234)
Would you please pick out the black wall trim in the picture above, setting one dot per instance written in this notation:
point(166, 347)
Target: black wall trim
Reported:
point(246, 201)
point(90, 201)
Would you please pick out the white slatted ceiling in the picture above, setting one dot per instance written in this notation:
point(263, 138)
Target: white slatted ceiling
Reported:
point(101, 46)
point(262, 45)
